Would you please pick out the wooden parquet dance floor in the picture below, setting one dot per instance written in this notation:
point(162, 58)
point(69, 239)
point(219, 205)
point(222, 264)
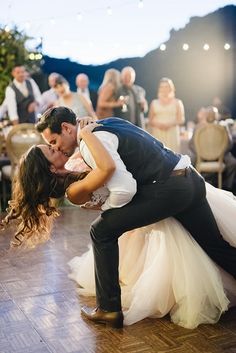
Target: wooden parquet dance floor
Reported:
point(40, 309)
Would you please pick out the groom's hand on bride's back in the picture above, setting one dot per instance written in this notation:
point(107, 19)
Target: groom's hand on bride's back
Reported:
point(85, 121)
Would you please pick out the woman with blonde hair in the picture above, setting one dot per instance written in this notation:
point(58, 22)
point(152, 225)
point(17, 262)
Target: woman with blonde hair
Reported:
point(166, 114)
point(107, 94)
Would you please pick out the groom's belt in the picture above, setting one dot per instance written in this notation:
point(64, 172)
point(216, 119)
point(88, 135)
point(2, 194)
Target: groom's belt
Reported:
point(181, 172)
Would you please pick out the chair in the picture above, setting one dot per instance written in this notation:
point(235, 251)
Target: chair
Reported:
point(19, 139)
point(211, 142)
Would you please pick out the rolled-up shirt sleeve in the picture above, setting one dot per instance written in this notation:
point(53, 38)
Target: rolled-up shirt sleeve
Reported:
point(122, 186)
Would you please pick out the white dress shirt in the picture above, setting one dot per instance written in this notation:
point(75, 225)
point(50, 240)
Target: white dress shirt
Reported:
point(11, 96)
point(183, 163)
point(122, 186)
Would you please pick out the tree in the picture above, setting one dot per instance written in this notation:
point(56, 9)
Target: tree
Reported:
point(12, 52)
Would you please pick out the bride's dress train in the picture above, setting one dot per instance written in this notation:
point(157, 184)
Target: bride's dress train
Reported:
point(163, 270)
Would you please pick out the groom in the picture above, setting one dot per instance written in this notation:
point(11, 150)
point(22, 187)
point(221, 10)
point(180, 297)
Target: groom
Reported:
point(166, 186)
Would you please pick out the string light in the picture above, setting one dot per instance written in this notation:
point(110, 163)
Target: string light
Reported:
point(109, 10)
point(185, 46)
point(31, 56)
point(206, 46)
point(38, 56)
point(7, 28)
point(79, 16)
point(140, 4)
point(39, 40)
point(162, 47)
point(35, 56)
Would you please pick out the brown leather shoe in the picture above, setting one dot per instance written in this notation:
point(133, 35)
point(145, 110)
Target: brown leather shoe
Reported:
point(110, 318)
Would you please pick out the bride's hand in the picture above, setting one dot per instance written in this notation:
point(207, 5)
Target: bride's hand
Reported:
point(85, 121)
point(88, 128)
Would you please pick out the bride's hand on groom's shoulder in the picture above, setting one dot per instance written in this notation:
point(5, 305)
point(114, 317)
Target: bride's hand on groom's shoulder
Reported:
point(85, 121)
point(88, 128)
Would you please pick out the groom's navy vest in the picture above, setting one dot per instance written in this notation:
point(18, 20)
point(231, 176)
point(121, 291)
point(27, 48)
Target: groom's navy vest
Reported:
point(144, 156)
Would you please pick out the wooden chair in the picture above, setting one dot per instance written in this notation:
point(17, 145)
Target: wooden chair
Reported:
point(211, 142)
point(20, 138)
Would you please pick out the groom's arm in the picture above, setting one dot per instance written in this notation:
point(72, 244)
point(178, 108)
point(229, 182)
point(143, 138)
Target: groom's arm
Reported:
point(122, 186)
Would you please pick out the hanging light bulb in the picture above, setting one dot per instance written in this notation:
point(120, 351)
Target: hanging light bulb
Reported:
point(227, 46)
point(7, 28)
point(31, 56)
point(206, 46)
point(109, 10)
point(162, 47)
point(185, 46)
point(79, 16)
point(140, 4)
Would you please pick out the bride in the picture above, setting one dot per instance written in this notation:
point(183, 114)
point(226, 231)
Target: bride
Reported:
point(161, 266)
point(164, 268)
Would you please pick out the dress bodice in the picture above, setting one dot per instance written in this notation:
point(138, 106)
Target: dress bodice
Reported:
point(76, 105)
point(165, 113)
point(76, 164)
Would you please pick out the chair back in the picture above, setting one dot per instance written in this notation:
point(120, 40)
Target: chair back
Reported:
point(211, 142)
point(19, 139)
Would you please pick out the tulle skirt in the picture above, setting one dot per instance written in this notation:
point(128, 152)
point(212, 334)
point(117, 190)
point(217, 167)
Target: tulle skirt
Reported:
point(163, 270)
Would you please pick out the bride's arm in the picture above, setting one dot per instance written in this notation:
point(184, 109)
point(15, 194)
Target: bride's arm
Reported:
point(80, 191)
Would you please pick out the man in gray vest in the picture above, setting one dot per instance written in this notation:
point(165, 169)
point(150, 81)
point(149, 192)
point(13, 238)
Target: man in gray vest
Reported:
point(22, 97)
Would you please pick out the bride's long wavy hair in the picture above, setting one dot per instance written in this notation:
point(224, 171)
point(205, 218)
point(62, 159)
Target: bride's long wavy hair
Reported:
point(34, 190)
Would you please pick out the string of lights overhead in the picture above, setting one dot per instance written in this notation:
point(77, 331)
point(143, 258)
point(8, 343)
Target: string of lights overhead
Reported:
point(79, 16)
point(186, 46)
point(95, 33)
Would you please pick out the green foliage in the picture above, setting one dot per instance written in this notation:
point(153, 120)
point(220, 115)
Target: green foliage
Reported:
point(12, 52)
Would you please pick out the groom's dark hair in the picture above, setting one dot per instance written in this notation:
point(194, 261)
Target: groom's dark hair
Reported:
point(54, 117)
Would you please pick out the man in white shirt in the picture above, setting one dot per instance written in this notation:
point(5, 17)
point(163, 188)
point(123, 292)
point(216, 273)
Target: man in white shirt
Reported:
point(82, 83)
point(166, 186)
point(22, 97)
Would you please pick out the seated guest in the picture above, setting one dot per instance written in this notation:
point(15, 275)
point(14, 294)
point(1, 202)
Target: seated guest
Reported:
point(211, 116)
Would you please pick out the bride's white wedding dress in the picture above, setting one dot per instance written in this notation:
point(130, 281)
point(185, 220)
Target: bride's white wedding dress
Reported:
point(163, 270)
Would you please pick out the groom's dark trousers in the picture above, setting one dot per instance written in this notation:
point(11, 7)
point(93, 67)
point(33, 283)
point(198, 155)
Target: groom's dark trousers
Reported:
point(161, 194)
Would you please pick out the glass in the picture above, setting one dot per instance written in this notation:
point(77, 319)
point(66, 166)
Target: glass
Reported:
point(124, 108)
